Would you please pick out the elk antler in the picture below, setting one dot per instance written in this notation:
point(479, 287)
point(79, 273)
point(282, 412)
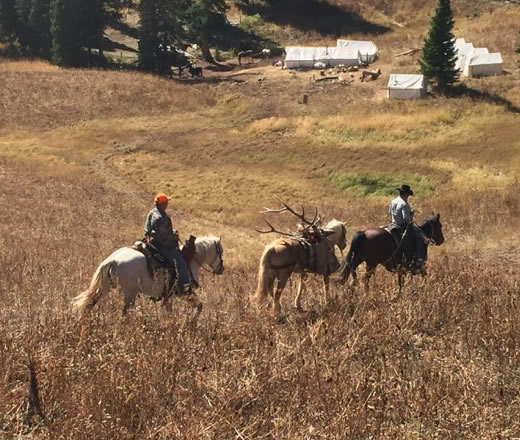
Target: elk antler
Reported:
point(286, 208)
point(272, 229)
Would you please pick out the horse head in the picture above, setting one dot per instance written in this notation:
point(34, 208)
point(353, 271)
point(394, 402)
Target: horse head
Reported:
point(218, 263)
point(339, 238)
point(432, 227)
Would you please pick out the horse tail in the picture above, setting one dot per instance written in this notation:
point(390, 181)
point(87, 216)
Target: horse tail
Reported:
point(265, 278)
point(355, 247)
point(99, 284)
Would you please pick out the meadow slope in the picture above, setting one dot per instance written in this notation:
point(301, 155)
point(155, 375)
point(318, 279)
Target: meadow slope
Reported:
point(82, 153)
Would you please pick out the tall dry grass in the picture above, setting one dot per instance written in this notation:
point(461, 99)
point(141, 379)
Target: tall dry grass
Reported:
point(83, 154)
point(438, 361)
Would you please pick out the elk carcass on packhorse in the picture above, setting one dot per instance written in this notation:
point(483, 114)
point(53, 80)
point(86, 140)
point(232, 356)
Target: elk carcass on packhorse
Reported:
point(338, 237)
point(307, 251)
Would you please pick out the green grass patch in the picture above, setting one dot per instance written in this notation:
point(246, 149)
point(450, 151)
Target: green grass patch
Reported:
point(365, 185)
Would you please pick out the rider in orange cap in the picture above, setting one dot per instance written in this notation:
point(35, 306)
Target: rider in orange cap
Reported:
point(159, 231)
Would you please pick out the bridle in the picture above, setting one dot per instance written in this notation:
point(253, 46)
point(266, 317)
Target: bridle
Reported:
point(430, 238)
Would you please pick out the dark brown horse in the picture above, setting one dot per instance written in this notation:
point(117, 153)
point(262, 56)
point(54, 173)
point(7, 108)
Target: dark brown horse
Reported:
point(376, 246)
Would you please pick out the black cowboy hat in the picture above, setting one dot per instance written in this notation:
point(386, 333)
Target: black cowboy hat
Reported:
point(405, 189)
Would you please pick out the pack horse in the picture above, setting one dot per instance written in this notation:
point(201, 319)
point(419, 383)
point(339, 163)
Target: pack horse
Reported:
point(309, 250)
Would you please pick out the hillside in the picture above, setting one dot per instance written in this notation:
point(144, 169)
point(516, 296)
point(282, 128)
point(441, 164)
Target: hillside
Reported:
point(82, 152)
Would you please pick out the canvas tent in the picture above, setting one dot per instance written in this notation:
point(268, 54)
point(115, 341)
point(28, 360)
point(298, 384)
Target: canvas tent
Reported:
point(463, 51)
point(306, 57)
point(476, 61)
point(404, 86)
point(484, 64)
point(347, 56)
point(367, 49)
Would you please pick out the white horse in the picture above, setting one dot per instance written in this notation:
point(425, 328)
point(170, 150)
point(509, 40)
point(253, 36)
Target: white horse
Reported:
point(337, 238)
point(126, 269)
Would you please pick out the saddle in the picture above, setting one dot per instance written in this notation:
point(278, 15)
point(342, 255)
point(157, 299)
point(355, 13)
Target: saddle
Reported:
point(158, 266)
point(395, 231)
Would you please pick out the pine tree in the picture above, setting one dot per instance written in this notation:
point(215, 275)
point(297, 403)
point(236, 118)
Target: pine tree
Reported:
point(439, 54)
point(39, 23)
point(148, 34)
point(161, 26)
point(92, 21)
point(206, 22)
point(66, 48)
point(7, 20)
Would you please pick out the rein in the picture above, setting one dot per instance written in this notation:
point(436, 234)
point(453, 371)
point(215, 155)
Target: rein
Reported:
point(430, 240)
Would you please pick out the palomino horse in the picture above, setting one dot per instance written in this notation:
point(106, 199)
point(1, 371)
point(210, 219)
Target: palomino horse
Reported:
point(376, 246)
point(127, 270)
point(291, 254)
point(338, 238)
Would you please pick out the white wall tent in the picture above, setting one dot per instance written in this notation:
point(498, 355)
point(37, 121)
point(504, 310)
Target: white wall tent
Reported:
point(404, 86)
point(484, 64)
point(464, 51)
point(367, 49)
point(347, 56)
point(476, 61)
point(306, 57)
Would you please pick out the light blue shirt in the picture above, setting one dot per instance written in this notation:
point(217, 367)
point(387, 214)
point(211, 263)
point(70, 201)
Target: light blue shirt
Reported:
point(400, 211)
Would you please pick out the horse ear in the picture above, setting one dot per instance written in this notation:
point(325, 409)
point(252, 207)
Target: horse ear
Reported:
point(438, 216)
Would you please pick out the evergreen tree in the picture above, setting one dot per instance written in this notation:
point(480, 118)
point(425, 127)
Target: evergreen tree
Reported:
point(439, 55)
point(24, 33)
point(206, 22)
point(7, 20)
point(148, 34)
point(161, 27)
point(40, 26)
point(92, 21)
point(65, 33)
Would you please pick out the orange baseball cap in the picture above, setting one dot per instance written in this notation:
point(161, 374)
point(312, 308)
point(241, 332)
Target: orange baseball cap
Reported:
point(161, 198)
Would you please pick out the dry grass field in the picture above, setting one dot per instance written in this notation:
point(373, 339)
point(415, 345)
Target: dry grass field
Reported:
point(82, 153)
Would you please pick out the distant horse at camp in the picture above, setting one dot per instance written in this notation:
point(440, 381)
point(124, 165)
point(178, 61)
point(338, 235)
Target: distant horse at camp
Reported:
point(127, 270)
point(376, 246)
point(195, 71)
point(338, 237)
point(245, 55)
point(266, 54)
point(308, 251)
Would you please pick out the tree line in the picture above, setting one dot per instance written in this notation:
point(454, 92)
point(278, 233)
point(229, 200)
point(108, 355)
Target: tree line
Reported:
point(71, 32)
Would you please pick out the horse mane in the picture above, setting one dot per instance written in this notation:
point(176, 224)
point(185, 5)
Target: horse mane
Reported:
point(205, 242)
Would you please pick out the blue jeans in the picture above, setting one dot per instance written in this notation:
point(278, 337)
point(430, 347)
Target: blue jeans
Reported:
point(416, 242)
point(172, 255)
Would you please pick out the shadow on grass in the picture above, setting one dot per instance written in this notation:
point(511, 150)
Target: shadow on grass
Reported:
point(312, 15)
point(463, 90)
point(125, 29)
point(111, 45)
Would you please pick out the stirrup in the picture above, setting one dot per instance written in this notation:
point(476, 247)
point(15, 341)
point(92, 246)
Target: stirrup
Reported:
point(185, 290)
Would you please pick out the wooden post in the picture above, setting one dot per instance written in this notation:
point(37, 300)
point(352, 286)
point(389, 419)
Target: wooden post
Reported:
point(305, 99)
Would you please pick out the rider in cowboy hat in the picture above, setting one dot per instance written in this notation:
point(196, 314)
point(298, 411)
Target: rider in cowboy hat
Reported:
point(158, 230)
point(402, 215)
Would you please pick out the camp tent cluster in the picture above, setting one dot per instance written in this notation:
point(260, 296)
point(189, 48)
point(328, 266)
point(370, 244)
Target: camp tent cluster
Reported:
point(405, 86)
point(476, 61)
point(346, 53)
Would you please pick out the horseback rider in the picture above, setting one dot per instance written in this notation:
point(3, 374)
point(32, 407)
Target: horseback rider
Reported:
point(402, 216)
point(159, 232)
